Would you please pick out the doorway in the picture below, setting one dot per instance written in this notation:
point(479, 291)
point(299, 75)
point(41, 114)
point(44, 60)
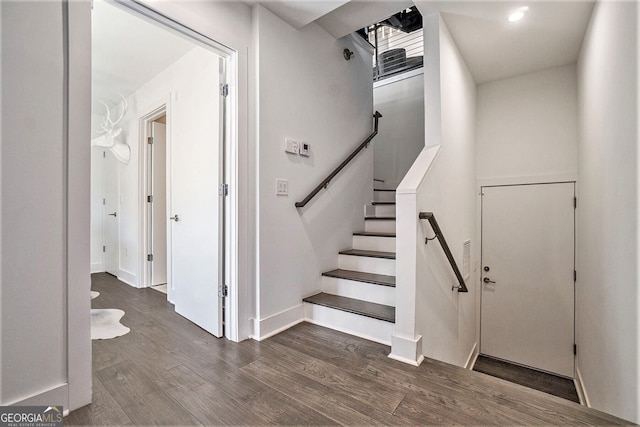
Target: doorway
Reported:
point(527, 297)
point(170, 214)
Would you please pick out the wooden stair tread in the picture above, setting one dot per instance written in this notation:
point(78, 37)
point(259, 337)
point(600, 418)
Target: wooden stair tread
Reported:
point(379, 218)
point(374, 234)
point(356, 306)
point(384, 189)
point(370, 254)
point(360, 276)
point(375, 202)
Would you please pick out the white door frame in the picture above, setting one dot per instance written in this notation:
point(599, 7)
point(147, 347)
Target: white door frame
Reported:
point(143, 179)
point(230, 56)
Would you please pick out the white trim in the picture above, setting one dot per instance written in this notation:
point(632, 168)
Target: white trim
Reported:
point(529, 179)
point(53, 396)
point(77, 390)
point(97, 267)
point(473, 357)
point(398, 77)
point(581, 390)
point(128, 278)
point(407, 350)
point(272, 325)
point(407, 361)
point(144, 131)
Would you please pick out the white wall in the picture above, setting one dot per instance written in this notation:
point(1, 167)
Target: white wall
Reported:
point(44, 304)
point(528, 126)
point(401, 133)
point(445, 319)
point(308, 92)
point(608, 325)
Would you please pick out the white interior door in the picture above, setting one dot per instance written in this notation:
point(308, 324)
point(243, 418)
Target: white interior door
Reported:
point(195, 165)
point(159, 205)
point(110, 214)
point(527, 315)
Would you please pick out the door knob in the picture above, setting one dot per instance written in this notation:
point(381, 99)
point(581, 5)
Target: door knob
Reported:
point(175, 218)
point(487, 280)
point(113, 214)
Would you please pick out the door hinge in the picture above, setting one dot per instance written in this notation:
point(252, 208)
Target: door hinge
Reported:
point(575, 203)
point(223, 190)
point(104, 249)
point(224, 89)
point(150, 140)
point(575, 276)
point(575, 349)
point(104, 154)
point(150, 257)
point(149, 199)
point(223, 291)
point(104, 201)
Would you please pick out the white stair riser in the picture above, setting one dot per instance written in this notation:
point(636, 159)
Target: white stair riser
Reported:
point(382, 226)
point(374, 243)
point(367, 264)
point(384, 196)
point(359, 290)
point(354, 324)
point(385, 210)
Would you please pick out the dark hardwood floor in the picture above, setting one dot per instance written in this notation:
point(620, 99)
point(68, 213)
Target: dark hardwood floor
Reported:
point(167, 371)
point(548, 383)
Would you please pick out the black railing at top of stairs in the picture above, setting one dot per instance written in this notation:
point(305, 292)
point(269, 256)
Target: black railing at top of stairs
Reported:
point(341, 166)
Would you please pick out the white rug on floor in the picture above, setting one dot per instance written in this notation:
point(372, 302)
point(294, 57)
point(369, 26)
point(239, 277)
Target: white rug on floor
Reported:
point(105, 323)
point(95, 294)
point(160, 288)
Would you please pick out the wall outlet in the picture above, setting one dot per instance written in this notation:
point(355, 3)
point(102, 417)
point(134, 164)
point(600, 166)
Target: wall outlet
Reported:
point(291, 146)
point(282, 187)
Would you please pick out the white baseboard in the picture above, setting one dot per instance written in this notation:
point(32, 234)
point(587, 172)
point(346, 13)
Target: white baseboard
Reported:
point(128, 278)
point(407, 361)
point(407, 350)
point(272, 325)
point(473, 356)
point(97, 267)
point(53, 397)
point(582, 391)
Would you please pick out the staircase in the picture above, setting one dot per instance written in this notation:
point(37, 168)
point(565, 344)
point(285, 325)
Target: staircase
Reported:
point(359, 296)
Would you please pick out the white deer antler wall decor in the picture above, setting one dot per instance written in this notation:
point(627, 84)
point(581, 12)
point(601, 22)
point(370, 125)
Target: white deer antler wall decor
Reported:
point(110, 133)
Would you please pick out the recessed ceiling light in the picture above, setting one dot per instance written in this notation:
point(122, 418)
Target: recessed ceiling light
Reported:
point(518, 14)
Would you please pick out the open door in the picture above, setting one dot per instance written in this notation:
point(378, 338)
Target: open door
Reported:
point(110, 205)
point(158, 243)
point(195, 220)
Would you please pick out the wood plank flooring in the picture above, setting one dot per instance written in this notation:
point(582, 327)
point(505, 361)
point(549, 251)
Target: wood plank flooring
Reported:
point(167, 371)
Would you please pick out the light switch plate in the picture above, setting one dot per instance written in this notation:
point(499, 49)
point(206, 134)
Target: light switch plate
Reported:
point(291, 146)
point(282, 187)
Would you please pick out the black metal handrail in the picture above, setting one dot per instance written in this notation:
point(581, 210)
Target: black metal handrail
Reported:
point(445, 247)
point(337, 170)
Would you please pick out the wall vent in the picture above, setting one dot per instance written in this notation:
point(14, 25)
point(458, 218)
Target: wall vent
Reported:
point(466, 259)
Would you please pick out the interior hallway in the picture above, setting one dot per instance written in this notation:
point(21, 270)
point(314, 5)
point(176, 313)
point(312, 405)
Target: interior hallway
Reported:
point(167, 371)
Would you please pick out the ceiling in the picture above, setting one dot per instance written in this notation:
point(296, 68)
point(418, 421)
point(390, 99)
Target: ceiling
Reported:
point(128, 51)
point(550, 34)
